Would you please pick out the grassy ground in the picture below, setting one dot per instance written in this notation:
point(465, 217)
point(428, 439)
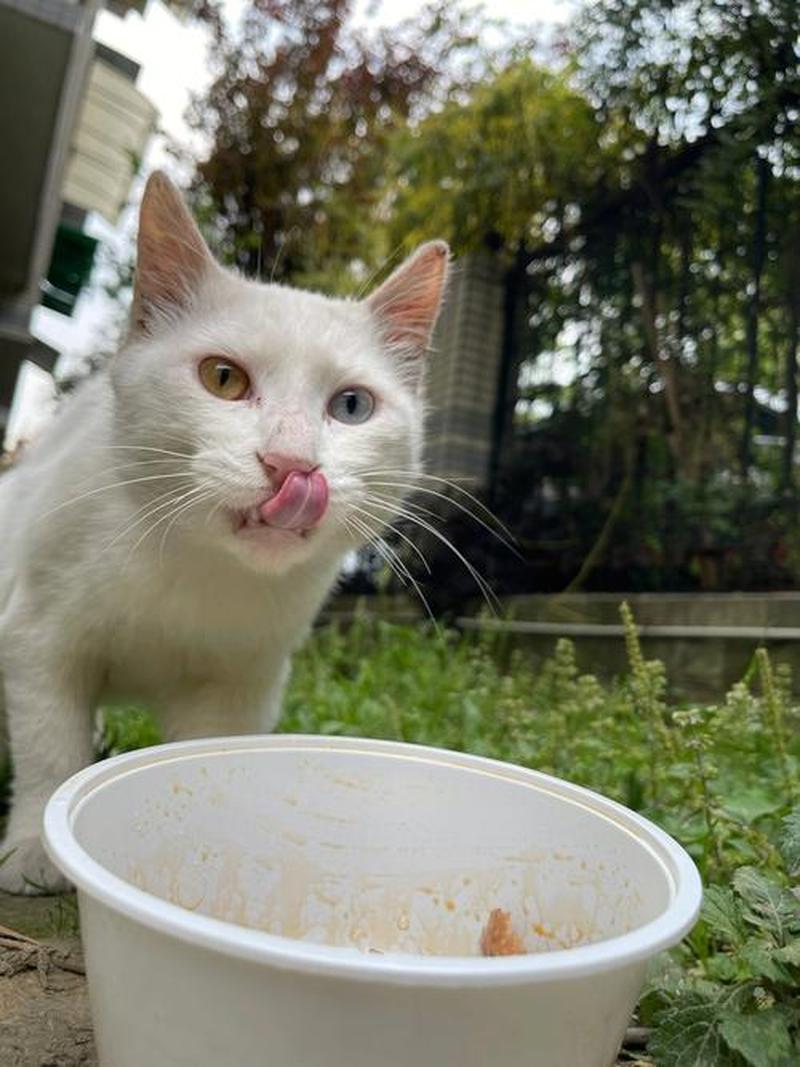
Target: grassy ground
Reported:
point(722, 779)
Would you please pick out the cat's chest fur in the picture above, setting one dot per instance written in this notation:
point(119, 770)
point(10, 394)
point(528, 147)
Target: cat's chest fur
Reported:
point(185, 619)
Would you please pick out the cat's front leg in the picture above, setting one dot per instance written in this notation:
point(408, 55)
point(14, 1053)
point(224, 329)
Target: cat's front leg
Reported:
point(50, 731)
point(225, 706)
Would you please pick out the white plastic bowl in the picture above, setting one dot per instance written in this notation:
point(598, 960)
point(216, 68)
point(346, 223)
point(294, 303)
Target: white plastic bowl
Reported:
point(318, 902)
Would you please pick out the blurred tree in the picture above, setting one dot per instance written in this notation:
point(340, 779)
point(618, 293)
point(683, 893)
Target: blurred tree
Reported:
point(647, 195)
point(299, 116)
point(512, 162)
point(714, 88)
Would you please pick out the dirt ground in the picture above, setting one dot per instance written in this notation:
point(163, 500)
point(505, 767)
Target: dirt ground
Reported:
point(44, 1009)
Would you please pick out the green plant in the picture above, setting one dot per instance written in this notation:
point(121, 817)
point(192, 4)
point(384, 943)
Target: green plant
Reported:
point(738, 1003)
point(63, 917)
point(124, 728)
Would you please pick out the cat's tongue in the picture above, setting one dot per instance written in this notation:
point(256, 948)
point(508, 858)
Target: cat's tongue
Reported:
point(300, 502)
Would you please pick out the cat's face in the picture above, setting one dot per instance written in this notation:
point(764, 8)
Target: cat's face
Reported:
point(278, 411)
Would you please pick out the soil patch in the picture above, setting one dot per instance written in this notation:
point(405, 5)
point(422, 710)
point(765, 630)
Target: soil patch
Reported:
point(44, 1007)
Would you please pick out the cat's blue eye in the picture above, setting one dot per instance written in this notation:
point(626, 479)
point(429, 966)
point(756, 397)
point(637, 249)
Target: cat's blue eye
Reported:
point(352, 405)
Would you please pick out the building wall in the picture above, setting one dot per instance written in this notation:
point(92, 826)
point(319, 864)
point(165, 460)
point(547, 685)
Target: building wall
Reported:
point(28, 116)
point(111, 134)
point(464, 372)
point(45, 46)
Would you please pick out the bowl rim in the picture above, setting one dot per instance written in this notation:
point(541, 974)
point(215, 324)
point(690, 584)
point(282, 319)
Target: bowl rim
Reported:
point(233, 940)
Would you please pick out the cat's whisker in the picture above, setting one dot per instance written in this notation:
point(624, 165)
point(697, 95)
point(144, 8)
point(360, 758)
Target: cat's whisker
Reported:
point(395, 563)
point(281, 248)
point(145, 448)
point(405, 502)
point(161, 513)
point(213, 511)
point(488, 593)
point(119, 468)
point(381, 266)
point(390, 557)
point(196, 491)
point(415, 475)
point(362, 534)
point(108, 488)
point(507, 541)
point(201, 499)
point(397, 533)
point(149, 459)
point(141, 463)
point(404, 507)
point(358, 535)
point(146, 512)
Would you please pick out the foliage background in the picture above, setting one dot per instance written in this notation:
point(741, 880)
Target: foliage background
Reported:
point(636, 178)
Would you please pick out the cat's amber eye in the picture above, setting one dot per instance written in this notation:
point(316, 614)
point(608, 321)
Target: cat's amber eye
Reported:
point(223, 378)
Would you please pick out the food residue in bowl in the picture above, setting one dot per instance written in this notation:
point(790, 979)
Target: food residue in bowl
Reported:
point(499, 937)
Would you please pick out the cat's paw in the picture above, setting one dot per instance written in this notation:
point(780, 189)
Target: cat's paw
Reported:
point(25, 868)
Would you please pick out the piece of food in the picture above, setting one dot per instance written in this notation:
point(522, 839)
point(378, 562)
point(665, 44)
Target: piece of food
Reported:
point(498, 937)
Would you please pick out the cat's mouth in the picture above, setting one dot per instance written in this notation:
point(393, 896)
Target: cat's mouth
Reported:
point(250, 522)
point(297, 507)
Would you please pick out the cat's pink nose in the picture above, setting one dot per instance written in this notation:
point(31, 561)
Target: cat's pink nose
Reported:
point(279, 466)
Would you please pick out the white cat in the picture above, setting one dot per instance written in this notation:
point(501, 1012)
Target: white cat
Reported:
point(174, 532)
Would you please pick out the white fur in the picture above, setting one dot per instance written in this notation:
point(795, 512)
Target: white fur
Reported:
point(191, 617)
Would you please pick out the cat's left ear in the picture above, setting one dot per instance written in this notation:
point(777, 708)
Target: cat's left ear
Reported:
point(172, 257)
point(407, 304)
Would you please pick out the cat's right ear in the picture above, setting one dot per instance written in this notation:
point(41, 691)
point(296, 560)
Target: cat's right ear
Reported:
point(406, 306)
point(172, 257)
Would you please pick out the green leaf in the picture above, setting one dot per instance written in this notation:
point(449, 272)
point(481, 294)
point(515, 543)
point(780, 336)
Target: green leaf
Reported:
point(762, 1039)
point(721, 967)
point(687, 1030)
point(790, 841)
point(747, 805)
point(126, 728)
point(768, 906)
point(789, 953)
point(722, 913)
point(760, 957)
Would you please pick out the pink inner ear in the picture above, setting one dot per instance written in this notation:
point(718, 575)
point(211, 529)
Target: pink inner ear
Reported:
point(170, 269)
point(407, 304)
point(409, 322)
point(172, 255)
